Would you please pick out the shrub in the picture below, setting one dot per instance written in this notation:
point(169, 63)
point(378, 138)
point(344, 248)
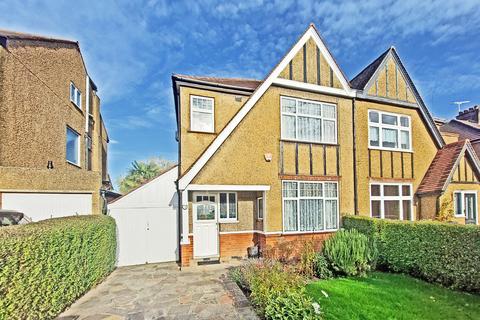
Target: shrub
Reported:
point(348, 253)
point(437, 252)
point(275, 290)
point(306, 264)
point(45, 266)
point(321, 267)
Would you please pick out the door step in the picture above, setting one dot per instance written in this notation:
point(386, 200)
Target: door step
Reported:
point(208, 261)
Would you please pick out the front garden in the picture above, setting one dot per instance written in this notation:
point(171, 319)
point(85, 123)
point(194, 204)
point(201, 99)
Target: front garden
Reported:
point(340, 282)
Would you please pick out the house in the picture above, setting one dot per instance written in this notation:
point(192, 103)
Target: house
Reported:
point(277, 161)
point(466, 125)
point(53, 146)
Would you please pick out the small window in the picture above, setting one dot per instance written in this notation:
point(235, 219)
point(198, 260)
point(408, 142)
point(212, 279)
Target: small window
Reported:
point(73, 147)
point(202, 114)
point(260, 208)
point(228, 206)
point(389, 131)
point(75, 95)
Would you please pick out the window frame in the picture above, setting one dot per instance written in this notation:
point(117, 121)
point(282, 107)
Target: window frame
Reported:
point(321, 117)
point(228, 219)
point(397, 127)
point(298, 198)
point(78, 146)
point(260, 207)
point(193, 109)
point(76, 91)
point(399, 198)
point(463, 192)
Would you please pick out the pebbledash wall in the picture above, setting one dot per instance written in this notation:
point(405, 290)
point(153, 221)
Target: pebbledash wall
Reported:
point(35, 110)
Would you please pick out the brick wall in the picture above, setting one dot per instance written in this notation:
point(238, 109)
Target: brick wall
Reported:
point(186, 253)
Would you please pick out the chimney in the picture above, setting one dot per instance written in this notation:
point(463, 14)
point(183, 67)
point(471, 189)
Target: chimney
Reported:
point(470, 114)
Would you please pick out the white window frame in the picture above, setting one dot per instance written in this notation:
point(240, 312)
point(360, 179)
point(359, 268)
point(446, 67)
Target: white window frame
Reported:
point(397, 127)
point(228, 219)
point(323, 198)
point(463, 192)
point(308, 116)
point(78, 146)
point(193, 109)
point(399, 198)
point(259, 207)
point(76, 102)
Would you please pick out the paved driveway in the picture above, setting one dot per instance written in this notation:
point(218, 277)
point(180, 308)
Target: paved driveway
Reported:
point(159, 291)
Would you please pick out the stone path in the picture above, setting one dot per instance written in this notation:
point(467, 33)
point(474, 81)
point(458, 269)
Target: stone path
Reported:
point(161, 291)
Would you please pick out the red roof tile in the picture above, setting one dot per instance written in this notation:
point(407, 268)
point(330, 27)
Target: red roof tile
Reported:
point(441, 168)
point(243, 83)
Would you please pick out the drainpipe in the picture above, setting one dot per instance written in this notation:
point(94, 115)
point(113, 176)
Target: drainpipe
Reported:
point(355, 192)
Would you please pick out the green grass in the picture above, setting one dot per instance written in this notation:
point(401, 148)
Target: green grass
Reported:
point(391, 296)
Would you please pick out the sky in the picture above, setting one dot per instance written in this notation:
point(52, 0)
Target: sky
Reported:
point(131, 49)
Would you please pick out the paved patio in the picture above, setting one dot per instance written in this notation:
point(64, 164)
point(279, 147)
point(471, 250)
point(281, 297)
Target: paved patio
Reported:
point(161, 291)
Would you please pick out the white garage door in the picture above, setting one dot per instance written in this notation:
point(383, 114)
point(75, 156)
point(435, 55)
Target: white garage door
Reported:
point(145, 235)
point(41, 206)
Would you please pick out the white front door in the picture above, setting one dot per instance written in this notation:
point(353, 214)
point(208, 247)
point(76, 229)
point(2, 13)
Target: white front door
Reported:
point(205, 226)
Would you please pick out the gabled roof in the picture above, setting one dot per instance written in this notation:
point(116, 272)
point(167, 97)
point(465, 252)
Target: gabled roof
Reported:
point(310, 32)
point(360, 80)
point(443, 166)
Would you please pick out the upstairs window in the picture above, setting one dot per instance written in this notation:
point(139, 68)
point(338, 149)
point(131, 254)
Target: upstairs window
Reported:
point(308, 121)
point(202, 114)
point(389, 131)
point(75, 95)
point(73, 147)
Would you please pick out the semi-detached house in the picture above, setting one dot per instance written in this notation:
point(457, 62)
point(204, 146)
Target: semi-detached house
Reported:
point(276, 161)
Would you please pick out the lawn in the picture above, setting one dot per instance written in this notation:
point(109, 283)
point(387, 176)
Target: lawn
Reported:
point(391, 296)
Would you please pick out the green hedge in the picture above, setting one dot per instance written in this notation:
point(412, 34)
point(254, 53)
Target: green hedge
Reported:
point(437, 252)
point(46, 266)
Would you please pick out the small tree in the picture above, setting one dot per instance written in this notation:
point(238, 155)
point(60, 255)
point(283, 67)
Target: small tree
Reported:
point(142, 171)
point(445, 213)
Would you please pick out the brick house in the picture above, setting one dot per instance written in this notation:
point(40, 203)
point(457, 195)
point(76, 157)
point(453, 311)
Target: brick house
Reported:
point(53, 146)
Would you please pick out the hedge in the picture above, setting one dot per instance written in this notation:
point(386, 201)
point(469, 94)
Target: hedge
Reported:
point(445, 253)
point(45, 266)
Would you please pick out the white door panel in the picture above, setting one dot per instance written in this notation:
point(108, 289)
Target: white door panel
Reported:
point(41, 206)
point(205, 226)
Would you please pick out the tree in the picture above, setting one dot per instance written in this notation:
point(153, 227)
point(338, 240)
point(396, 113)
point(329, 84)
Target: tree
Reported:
point(143, 171)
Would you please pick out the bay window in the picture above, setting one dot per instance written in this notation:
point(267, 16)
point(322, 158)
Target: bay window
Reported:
point(308, 121)
point(202, 114)
point(389, 131)
point(391, 201)
point(309, 206)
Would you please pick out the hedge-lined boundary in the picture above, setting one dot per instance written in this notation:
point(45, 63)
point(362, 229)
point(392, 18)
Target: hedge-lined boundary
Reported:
point(46, 266)
point(437, 252)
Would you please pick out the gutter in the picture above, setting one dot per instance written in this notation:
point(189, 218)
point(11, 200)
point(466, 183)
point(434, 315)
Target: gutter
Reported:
point(355, 191)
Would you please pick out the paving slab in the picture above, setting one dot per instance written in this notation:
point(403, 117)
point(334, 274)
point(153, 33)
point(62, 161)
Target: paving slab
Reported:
point(162, 291)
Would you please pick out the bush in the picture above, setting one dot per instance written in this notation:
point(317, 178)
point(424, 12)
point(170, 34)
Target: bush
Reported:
point(321, 267)
point(437, 252)
point(276, 291)
point(306, 264)
point(45, 266)
point(348, 253)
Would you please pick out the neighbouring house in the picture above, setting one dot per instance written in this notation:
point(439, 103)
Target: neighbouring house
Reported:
point(53, 145)
point(269, 162)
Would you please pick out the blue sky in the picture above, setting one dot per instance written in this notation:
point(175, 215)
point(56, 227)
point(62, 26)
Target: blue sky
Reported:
point(132, 47)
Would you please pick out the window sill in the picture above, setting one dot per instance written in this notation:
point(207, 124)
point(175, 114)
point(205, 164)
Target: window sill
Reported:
point(390, 149)
point(459, 216)
point(308, 232)
point(310, 142)
point(204, 132)
point(74, 164)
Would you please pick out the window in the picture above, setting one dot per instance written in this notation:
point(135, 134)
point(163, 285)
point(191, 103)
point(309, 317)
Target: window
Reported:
point(308, 121)
point(228, 206)
point(73, 147)
point(309, 206)
point(389, 131)
point(75, 95)
point(88, 155)
point(205, 207)
point(391, 201)
point(260, 208)
point(201, 114)
point(465, 204)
